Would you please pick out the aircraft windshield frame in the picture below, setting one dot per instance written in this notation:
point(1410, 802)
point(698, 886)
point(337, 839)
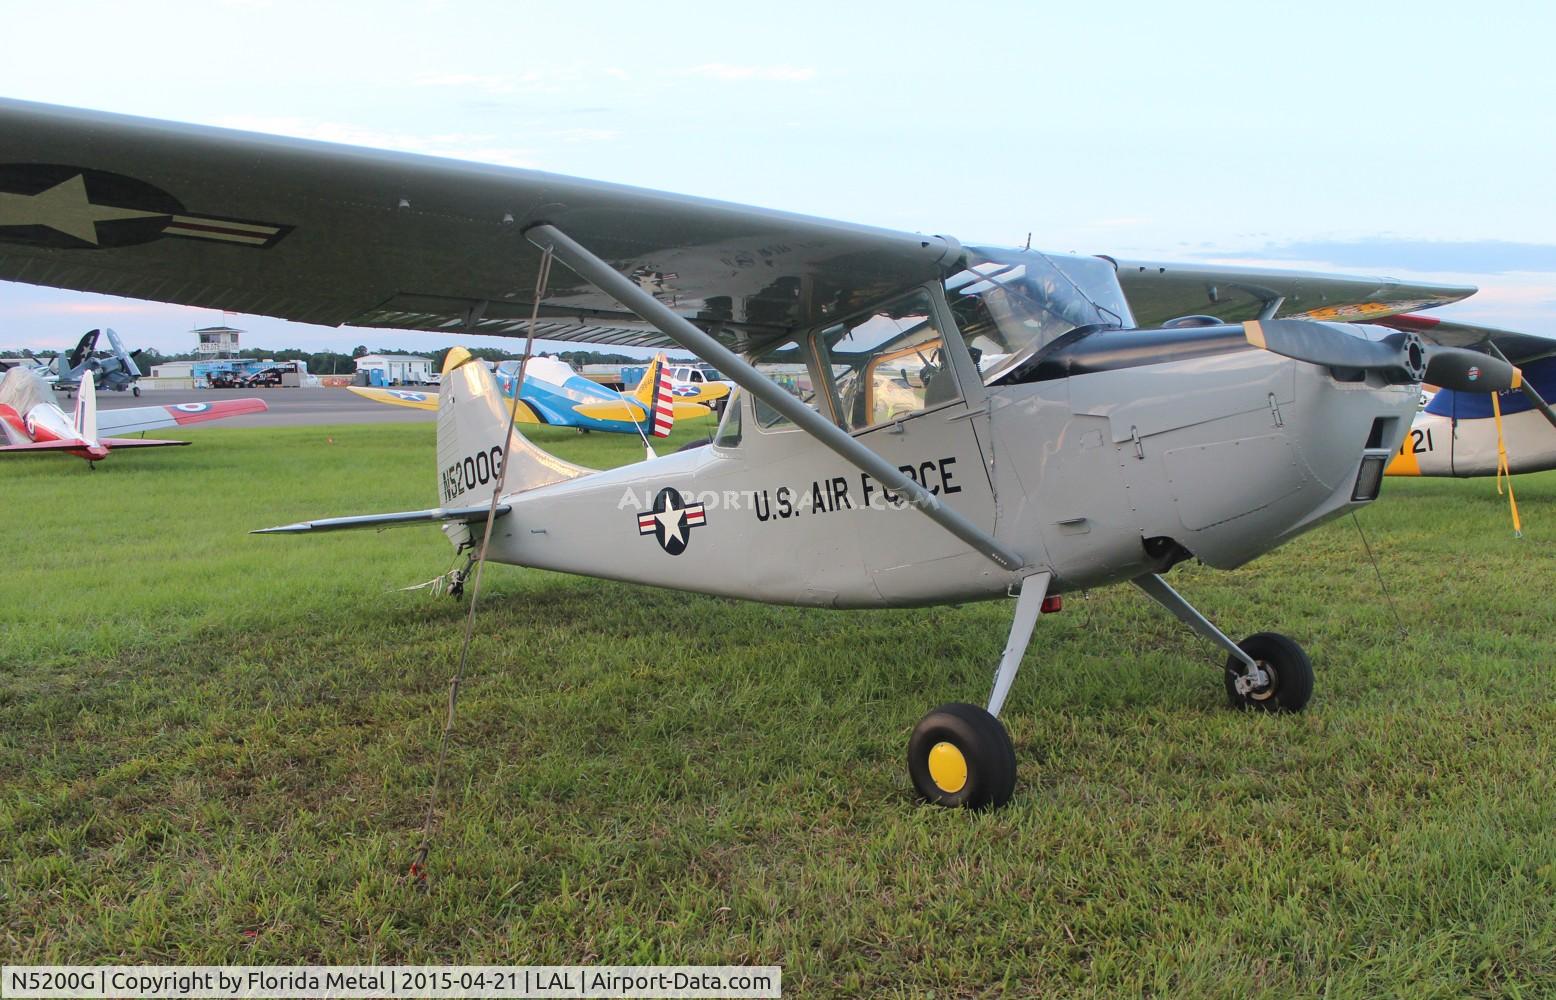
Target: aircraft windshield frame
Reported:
point(1010, 304)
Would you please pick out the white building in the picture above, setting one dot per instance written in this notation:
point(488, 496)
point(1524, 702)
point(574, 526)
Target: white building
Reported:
point(406, 369)
point(217, 342)
point(173, 369)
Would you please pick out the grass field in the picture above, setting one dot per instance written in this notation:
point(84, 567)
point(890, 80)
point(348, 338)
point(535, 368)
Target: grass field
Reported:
point(216, 747)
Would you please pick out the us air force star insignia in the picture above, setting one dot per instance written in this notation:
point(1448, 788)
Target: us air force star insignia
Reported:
point(73, 208)
point(63, 208)
point(671, 520)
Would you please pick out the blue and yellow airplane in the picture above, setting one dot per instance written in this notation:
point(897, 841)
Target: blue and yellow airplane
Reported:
point(557, 396)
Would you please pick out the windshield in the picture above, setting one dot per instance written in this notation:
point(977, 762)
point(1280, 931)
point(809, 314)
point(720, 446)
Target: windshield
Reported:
point(1009, 304)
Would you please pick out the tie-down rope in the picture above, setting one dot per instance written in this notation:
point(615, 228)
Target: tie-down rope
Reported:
point(418, 869)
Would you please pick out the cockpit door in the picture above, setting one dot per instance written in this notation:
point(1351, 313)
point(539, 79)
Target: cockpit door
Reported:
point(900, 379)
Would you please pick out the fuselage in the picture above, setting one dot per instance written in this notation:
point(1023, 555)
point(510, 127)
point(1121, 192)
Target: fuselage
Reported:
point(1098, 472)
point(554, 391)
point(29, 415)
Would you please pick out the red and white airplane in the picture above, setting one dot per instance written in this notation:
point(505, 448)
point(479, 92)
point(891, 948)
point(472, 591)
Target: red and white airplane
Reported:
point(33, 423)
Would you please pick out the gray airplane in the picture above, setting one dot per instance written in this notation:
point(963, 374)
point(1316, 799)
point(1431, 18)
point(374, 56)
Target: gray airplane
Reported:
point(953, 423)
point(114, 369)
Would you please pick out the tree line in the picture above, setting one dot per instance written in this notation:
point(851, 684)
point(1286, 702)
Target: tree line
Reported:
point(336, 363)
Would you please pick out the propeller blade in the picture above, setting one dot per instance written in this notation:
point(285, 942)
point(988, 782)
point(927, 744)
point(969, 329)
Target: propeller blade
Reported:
point(1399, 357)
point(1470, 371)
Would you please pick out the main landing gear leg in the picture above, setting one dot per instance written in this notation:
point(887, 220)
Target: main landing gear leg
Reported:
point(961, 755)
point(1266, 671)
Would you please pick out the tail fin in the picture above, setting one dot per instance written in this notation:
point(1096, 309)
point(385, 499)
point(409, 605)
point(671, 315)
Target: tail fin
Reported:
point(472, 418)
point(655, 396)
point(83, 349)
point(86, 407)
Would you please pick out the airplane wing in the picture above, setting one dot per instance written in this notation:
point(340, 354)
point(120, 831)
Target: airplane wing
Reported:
point(1158, 292)
point(322, 233)
point(145, 418)
point(1516, 347)
point(427, 400)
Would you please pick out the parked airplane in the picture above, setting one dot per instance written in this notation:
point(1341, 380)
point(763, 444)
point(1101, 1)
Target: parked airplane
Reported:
point(1093, 452)
point(557, 396)
point(33, 423)
point(114, 369)
point(1476, 433)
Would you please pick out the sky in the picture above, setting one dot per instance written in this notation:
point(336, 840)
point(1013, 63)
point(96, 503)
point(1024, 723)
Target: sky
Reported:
point(1413, 140)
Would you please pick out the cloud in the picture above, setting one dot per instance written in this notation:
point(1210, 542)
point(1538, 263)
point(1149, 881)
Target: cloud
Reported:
point(477, 146)
point(584, 135)
point(1391, 254)
point(489, 82)
point(728, 71)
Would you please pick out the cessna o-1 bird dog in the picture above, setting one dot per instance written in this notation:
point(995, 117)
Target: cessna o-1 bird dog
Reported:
point(1043, 443)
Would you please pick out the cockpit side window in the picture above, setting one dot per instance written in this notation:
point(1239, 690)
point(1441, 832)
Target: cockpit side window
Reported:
point(887, 363)
point(728, 435)
point(785, 365)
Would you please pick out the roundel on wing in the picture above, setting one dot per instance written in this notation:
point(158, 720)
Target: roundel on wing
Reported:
point(192, 407)
point(64, 207)
point(414, 397)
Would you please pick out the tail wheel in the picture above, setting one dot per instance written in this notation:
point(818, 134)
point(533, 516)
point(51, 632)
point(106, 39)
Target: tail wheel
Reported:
point(1289, 674)
point(960, 755)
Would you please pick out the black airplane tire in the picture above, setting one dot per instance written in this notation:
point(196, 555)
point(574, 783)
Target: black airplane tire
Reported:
point(960, 756)
point(1291, 673)
point(135, 389)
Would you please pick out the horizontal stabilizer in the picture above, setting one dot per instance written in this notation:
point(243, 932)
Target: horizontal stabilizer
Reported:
point(437, 515)
point(41, 446)
point(139, 443)
point(398, 397)
point(622, 410)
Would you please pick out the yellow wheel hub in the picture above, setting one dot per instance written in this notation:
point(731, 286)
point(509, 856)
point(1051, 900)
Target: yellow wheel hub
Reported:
point(947, 767)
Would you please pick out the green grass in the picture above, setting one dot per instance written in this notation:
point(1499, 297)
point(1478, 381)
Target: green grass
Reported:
point(216, 747)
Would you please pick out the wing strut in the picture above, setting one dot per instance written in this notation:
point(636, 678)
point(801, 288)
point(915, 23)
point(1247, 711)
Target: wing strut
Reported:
point(610, 281)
